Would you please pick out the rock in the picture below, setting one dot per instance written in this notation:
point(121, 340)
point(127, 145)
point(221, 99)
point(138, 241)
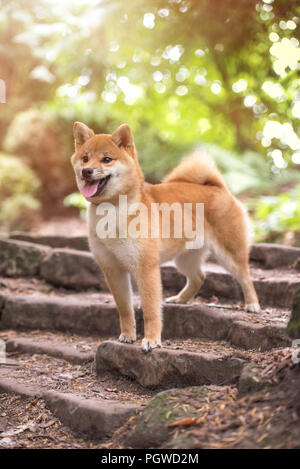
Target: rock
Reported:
point(272, 290)
point(297, 264)
point(163, 367)
point(78, 270)
point(222, 324)
point(197, 320)
point(293, 328)
point(252, 380)
point(258, 336)
point(90, 313)
point(172, 280)
point(20, 258)
point(73, 269)
point(151, 429)
point(12, 386)
point(91, 417)
point(68, 353)
point(278, 290)
point(274, 255)
point(70, 314)
point(72, 242)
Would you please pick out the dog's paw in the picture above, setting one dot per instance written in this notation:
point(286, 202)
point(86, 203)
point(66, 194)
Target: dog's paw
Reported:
point(253, 308)
point(127, 338)
point(174, 299)
point(148, 345)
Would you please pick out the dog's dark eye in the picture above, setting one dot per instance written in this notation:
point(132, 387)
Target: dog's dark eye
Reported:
point(85, 159)
point(106, 159)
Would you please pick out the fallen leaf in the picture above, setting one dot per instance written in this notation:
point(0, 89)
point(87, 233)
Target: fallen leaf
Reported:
point(183, 422)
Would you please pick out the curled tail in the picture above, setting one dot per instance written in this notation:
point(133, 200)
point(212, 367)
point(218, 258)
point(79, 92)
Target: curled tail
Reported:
point(197, 168)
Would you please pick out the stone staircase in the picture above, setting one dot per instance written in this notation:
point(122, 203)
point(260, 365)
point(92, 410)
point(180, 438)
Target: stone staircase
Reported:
point(60, 326)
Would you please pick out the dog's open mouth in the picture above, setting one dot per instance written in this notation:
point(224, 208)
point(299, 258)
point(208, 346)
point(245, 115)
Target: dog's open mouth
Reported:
point(94, 188)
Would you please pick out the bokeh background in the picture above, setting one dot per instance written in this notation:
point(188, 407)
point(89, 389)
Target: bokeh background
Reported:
point(223, 75)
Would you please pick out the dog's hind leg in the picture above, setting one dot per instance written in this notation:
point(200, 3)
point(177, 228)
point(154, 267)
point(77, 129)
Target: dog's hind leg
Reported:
point(189, 264)
point(235, 261)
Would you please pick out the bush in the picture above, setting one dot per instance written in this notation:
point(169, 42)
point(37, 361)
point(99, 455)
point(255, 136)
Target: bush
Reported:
point(18, 187)
point(277, 217)
point(45, 143)
point(76, 199)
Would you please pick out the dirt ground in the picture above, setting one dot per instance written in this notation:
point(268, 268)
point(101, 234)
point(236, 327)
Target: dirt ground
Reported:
point(27, 423)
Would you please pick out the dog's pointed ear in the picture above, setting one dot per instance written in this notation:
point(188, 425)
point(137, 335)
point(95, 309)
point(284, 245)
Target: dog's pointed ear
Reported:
point(81, 134)
point(123, 137)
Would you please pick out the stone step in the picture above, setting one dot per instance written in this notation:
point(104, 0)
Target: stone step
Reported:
point(274, 288)
point(31, 346)
point(55, 241)
point(71, 313)
point(271, 255)
point(18, 258)
point(72, 269)
point(94, 401)
point(77, 270)
point(176, 364)
point(90, 406)
point(168, 368)
point(35, 373)
point(96, 314)
point(12, 386)
point(267, 254)
point(93, 418)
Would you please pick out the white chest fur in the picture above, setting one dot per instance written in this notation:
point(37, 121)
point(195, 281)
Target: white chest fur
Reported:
point(109, 249)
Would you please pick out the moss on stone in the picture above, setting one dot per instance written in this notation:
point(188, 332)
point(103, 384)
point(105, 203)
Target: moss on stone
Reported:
point(152, 426)
point(293, 328)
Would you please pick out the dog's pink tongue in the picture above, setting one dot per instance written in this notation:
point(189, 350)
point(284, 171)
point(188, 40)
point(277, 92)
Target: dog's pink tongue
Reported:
point(90, 189)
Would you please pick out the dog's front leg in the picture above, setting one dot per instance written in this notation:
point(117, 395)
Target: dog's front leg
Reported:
point(149, 284)
point(119, 284)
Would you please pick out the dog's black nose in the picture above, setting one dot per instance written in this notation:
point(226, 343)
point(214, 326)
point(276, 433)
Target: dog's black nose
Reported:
point(87, 172)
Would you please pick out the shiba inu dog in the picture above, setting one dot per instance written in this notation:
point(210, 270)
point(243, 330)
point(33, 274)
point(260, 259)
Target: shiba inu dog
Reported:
point(106, 167)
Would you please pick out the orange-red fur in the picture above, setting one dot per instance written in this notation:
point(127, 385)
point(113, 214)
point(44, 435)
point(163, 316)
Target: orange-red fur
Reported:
point(195, 180)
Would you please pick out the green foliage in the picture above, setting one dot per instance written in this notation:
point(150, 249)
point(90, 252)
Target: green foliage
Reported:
point(77, 200)
point(26, 131)
point(248, 172)
point(18, 188)
point(278, 213)
point(38, 137)
point(182, 73)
